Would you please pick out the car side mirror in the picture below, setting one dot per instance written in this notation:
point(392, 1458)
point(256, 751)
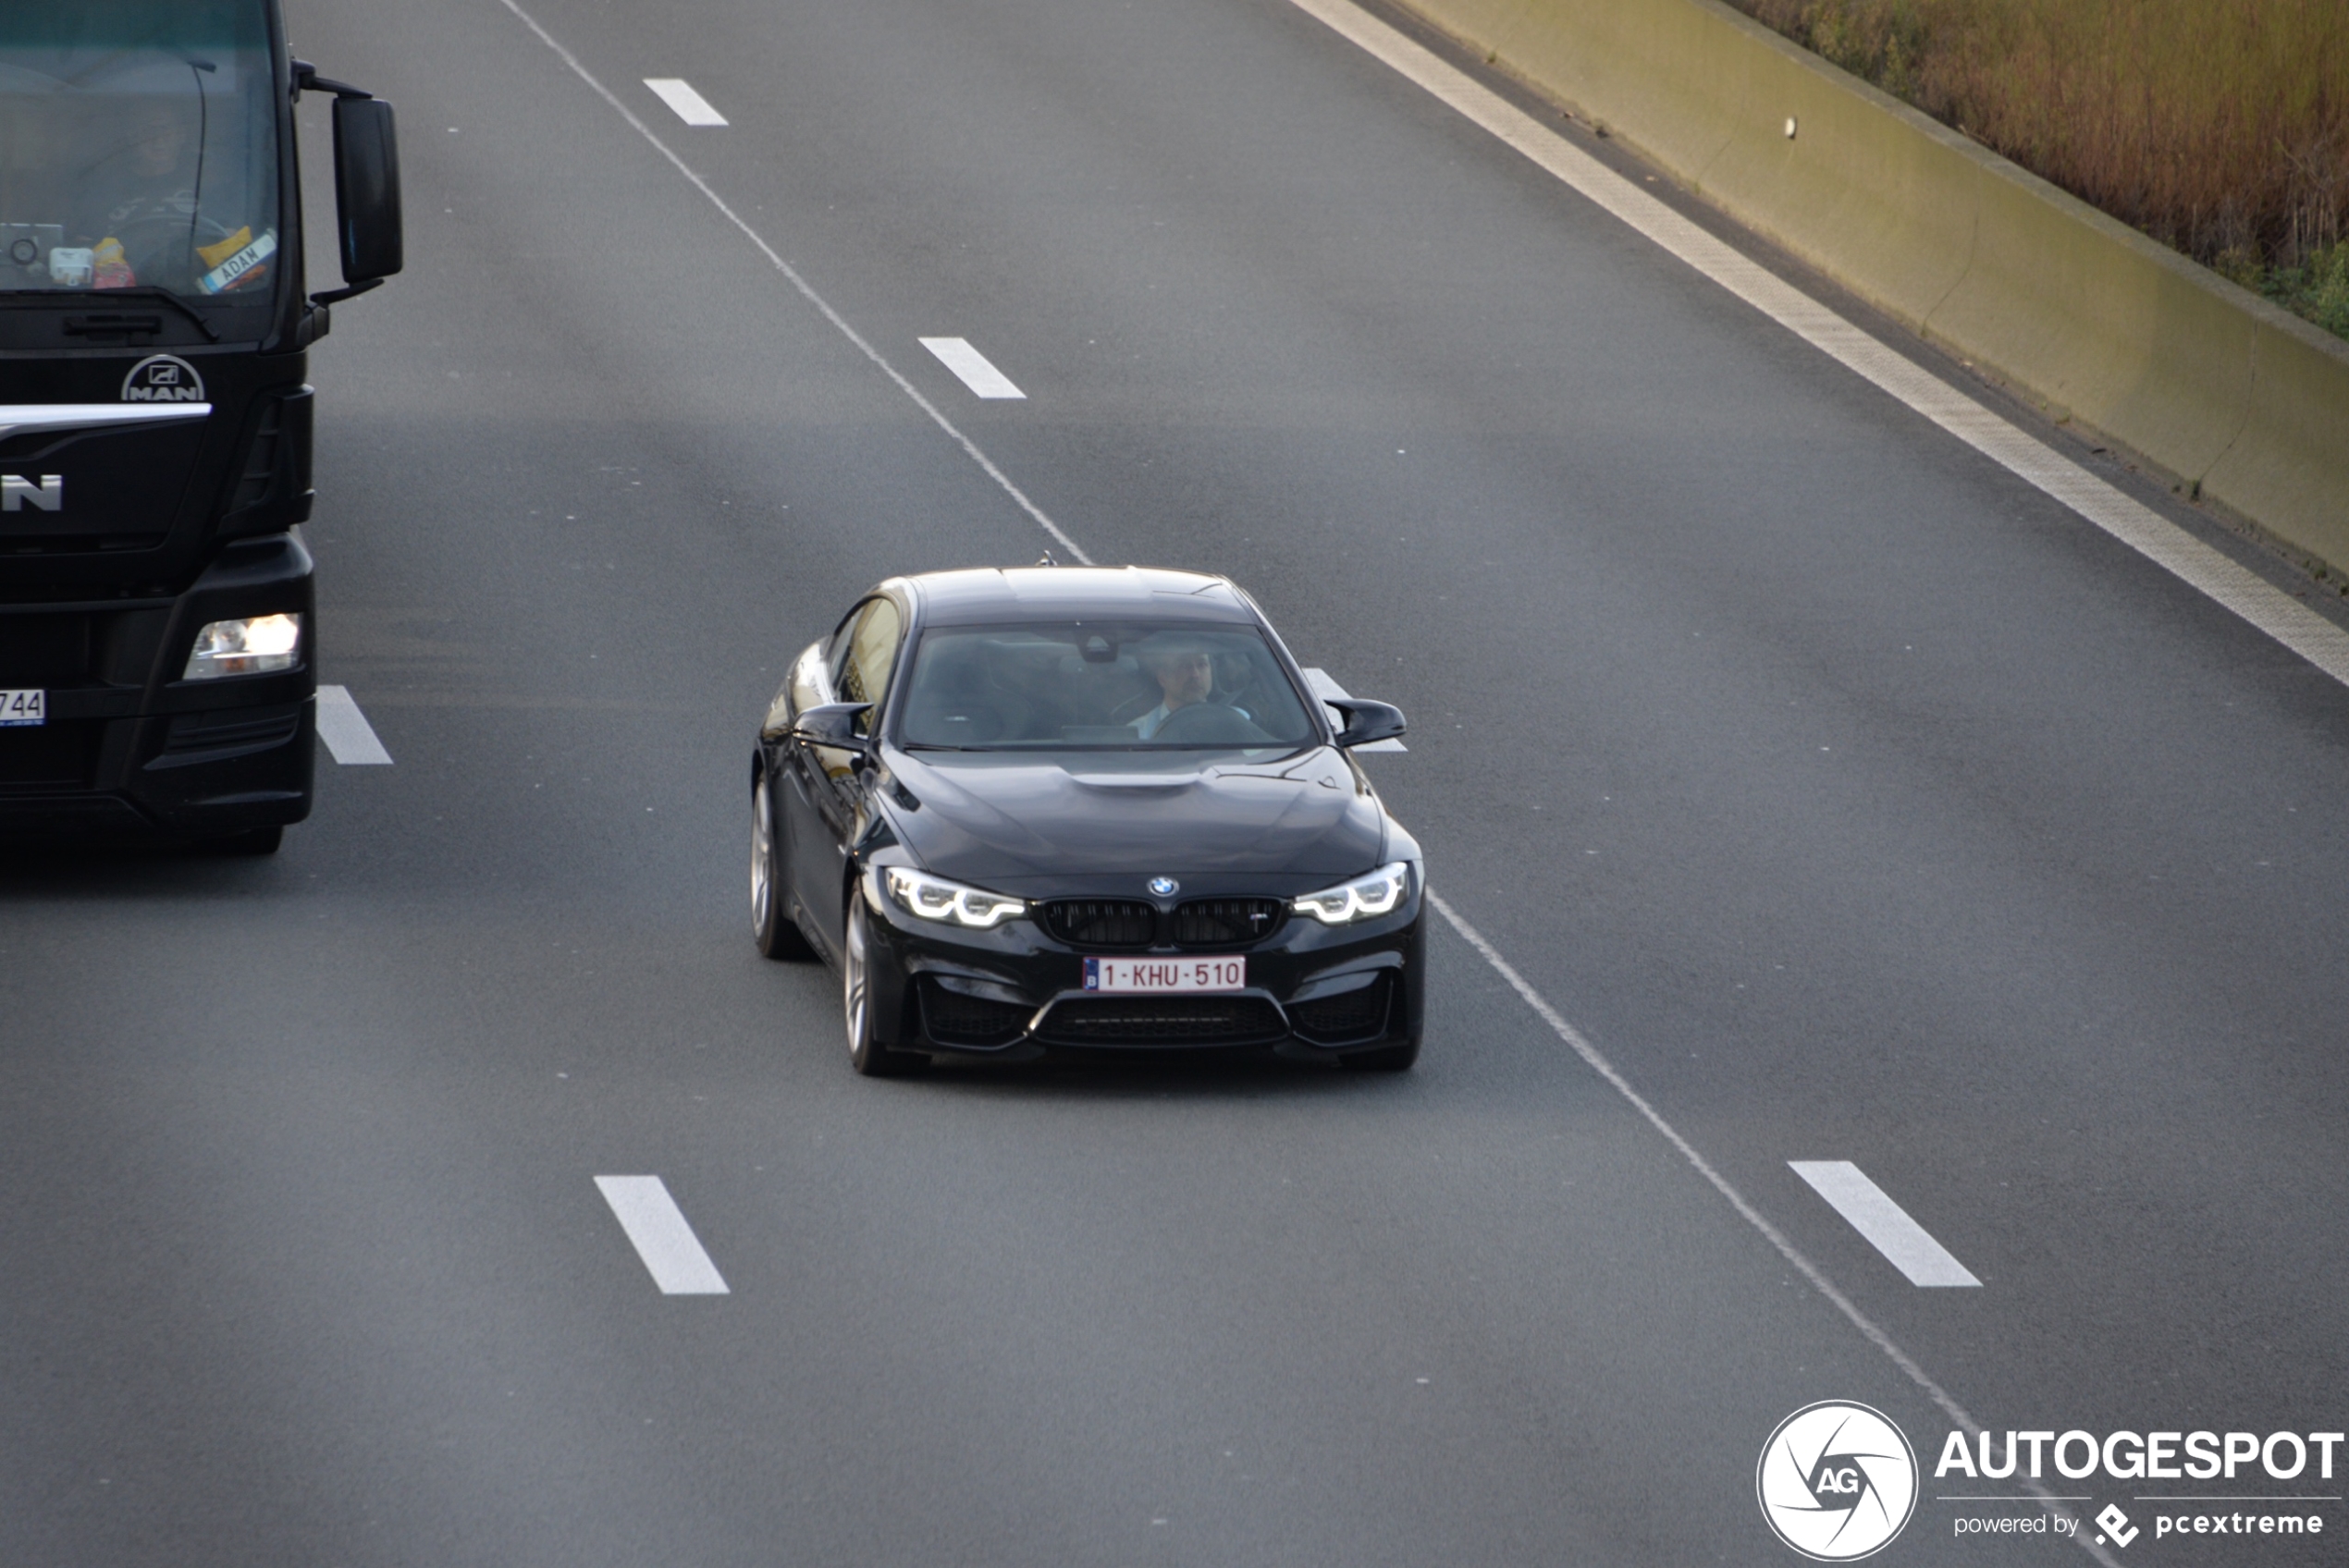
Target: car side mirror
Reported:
point(367, 190)
point(1367, 721)
point(834, 724)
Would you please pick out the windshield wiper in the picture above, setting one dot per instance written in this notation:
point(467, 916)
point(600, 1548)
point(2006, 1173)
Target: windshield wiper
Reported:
point(83, 298)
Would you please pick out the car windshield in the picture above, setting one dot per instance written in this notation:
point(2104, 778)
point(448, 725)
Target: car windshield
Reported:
point(138, 148)
point(1090, 686)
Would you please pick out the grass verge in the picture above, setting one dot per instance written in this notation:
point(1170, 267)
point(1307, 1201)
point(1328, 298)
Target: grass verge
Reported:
point(2218, 127)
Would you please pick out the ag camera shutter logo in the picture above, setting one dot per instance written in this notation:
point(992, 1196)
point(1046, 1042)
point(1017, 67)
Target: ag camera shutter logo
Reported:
point(1838, 1481)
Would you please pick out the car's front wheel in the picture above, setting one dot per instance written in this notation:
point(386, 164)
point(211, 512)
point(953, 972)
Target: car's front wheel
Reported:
point(771, 920)
point(865, 1053)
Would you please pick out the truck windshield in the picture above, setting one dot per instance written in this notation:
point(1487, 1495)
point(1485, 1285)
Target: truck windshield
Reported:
point(138, 148)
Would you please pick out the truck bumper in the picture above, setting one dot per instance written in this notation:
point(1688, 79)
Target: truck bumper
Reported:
point(130, 750)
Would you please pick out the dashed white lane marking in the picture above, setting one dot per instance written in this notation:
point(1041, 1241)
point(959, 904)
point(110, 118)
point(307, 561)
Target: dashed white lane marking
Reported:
point(2245, 593)
point(973, 367)
point(1325, 687)
point(348, 736)
point(1910, 1247)
point(1810, 1271)
point(671, 1253)
point(691, 106)
point(790, 275)
point(1534, 999)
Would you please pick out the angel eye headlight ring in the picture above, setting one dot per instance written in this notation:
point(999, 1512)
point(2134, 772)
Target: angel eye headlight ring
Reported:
point(933, 897)
point(1364, 898)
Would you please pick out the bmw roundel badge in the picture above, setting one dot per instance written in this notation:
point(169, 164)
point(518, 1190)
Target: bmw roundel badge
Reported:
point(1166, 887)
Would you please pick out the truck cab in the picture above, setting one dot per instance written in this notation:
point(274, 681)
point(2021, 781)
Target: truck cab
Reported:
point(157, 630)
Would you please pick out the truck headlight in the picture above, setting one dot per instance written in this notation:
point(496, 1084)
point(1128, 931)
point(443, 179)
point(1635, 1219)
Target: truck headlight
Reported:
point(934, 898)
point(261, 645)
point(1360, 900)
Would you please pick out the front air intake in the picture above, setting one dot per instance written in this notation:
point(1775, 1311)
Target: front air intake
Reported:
point(1162, 1020)
point(953, 1019)
point(1359, 1014)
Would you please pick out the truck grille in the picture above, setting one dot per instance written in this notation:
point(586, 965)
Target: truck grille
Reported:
point(231, 732)
point(48, 756)
point(43, 650)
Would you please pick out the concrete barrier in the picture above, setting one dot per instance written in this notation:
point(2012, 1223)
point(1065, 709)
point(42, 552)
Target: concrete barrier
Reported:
point(2096, 322)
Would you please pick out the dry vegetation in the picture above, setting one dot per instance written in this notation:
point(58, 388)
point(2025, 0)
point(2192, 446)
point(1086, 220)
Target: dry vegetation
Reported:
point(2220, 127)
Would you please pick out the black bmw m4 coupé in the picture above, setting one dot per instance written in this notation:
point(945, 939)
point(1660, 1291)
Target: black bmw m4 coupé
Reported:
point(1060, 810)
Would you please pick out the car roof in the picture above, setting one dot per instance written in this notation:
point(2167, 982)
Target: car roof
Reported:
point(989, 595)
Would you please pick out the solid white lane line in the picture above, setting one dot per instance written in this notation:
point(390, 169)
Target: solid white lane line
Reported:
point(671, 1253)
point(2257, 601)
point(1810, 1271)
point(1885, 1224)
point(691, 106)
point(348, 736)
point(1324, 687)
point(790, 275)
point(973, 367)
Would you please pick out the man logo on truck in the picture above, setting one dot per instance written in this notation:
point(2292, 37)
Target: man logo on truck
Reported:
point(16, 491)
point(162, 378)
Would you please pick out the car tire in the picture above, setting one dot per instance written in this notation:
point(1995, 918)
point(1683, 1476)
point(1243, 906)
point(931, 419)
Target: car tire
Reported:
point(771, 922)
point(865, 1053)
point(1385, 1058)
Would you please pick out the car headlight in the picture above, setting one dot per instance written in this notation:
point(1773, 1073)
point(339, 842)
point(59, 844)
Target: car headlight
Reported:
point(934, 898)
point(261, 645)
point(1360, 900)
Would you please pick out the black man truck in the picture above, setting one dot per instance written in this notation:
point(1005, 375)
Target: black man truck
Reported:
point(157, 678)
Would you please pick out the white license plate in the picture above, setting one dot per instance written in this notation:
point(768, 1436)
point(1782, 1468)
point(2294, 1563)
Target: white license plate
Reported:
point(1128, 976)
point(21, 708)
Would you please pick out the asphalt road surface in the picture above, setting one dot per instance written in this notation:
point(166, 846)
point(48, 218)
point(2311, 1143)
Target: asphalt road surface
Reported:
point(1853, 799)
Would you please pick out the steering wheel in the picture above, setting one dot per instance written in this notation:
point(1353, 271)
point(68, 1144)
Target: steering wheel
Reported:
point(1209, 723)
point(162, 245)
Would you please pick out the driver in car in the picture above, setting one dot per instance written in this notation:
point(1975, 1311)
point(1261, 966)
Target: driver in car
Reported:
point(1186, 675)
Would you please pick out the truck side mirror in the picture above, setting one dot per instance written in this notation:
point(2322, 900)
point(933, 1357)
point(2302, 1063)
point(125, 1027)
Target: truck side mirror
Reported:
point(367, 190)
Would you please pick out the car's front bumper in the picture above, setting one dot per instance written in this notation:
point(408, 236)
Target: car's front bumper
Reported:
point(1016, 992)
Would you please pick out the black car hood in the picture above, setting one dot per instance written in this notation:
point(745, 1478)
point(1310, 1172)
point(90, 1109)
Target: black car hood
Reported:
point(1039, 825)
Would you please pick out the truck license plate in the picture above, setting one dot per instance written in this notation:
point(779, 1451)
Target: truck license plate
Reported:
point(19, 709)
point(1128, 976)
